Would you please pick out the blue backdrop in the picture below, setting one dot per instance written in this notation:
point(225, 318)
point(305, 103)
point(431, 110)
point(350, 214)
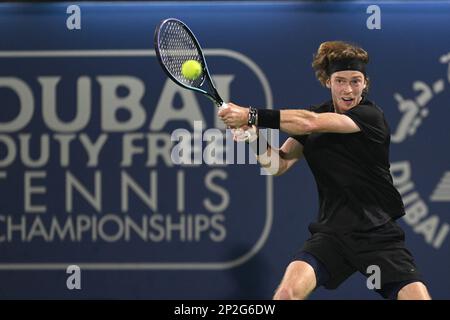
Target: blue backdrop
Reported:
point(86, 119)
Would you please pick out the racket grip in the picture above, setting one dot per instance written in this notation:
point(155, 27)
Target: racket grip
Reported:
point(223, 105)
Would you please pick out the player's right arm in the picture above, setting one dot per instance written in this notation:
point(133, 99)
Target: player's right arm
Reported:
point(290, 152)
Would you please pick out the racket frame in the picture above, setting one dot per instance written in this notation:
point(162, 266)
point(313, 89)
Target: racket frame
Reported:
point(213, 95)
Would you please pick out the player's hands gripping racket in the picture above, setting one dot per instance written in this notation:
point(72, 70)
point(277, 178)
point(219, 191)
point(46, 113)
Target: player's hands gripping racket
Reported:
point(176, 47)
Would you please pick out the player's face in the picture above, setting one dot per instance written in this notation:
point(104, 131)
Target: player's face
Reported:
point(346, 89)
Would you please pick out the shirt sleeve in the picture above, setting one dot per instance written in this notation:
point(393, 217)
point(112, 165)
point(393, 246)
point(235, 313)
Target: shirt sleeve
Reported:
point(371, 121)
point(301, 138)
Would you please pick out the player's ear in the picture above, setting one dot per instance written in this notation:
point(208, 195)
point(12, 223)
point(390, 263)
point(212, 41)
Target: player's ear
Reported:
point(328, 83)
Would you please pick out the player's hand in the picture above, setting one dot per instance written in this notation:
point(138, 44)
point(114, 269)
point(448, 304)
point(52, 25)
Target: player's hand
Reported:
point(245, 133)
point(233, 116)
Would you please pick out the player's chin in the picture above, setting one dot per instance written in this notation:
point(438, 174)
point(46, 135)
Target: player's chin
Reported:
point(345, 107)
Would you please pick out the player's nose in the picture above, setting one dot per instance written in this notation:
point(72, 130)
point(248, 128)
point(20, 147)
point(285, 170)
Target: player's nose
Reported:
point(347, 89)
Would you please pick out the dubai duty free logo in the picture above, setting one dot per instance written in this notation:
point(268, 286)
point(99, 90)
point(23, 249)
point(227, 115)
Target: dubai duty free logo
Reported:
point(423, 180)
point(94, 178)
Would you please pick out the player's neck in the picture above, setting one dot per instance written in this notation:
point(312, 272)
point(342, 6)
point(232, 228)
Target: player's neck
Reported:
point(336, 108)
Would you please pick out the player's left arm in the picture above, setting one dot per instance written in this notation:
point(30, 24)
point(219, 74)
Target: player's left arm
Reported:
point(298, 122)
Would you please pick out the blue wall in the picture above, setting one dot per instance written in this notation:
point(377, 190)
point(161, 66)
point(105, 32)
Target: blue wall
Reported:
point(202, 231)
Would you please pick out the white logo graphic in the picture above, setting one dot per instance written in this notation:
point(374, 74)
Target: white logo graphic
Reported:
point(74, 280)
point(374, 280)
point(418, 215)
point(442, 191)
point(158, 223)
point(415, 110)
point(373, 21)
point(74, 20)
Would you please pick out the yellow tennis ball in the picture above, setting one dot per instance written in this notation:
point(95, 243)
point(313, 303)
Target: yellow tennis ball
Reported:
point(191, 69)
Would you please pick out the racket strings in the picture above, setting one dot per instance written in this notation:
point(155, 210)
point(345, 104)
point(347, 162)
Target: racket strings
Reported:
point(176, 46)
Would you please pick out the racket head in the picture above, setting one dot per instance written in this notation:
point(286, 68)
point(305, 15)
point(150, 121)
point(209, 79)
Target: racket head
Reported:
point(174, 44)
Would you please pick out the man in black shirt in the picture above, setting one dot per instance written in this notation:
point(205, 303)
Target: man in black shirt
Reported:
point(346, 144)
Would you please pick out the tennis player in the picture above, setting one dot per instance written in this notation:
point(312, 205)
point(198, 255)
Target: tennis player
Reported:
point(346, 144)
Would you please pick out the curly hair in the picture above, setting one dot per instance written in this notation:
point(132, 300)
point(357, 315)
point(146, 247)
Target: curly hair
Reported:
point(330, 51)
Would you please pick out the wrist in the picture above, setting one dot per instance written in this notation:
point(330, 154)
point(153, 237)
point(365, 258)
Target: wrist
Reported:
point(268, 118)
point(252, 118)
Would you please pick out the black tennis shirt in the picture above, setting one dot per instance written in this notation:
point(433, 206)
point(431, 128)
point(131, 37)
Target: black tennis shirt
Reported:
point(356, 192)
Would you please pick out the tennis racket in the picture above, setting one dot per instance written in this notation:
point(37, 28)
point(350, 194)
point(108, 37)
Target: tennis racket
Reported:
point(175, 44)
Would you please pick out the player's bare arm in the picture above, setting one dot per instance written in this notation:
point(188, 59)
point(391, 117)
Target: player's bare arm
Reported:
point(297, 122)
point(290, 152)
point(294, 122)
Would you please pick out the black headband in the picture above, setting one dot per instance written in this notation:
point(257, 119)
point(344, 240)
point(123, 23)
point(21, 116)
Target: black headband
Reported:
point(346, 64)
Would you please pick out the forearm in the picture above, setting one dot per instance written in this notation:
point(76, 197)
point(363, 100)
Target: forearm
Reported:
point(272, 161)
point(297, 122)
point(275, 161)
point(268, 157)
point(293, 122)
point(300, 122)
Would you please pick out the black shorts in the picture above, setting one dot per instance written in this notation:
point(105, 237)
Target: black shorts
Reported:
point(344, 254)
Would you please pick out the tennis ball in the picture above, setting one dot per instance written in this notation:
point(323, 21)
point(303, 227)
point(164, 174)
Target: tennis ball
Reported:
point(191, 69)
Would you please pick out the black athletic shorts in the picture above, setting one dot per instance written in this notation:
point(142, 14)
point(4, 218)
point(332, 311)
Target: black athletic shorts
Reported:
point(344, 254)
